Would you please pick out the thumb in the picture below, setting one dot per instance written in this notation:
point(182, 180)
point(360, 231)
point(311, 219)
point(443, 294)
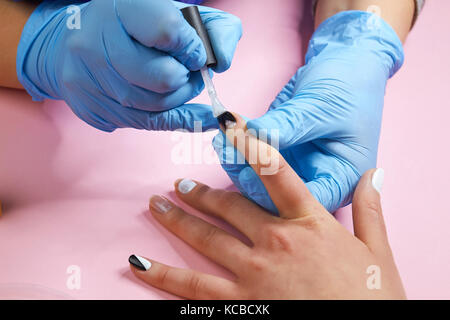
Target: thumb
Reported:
point(368, 222)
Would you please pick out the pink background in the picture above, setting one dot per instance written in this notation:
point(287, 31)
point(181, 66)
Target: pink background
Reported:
point(75, 196)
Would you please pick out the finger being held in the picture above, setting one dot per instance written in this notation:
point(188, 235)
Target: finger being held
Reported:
point(288, 192)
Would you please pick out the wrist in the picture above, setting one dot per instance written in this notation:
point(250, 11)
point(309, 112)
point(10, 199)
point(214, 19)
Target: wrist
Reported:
point(13, 15)
point(357, 34)
point(38, 48)
point(398, 14)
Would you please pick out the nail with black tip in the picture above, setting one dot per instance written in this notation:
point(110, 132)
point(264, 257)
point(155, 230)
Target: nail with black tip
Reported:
point(139, 262)
point(227, 120)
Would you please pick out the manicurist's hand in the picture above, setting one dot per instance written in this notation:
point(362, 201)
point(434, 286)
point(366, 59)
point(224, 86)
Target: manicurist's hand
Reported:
point(123, 63)
point(303, 254)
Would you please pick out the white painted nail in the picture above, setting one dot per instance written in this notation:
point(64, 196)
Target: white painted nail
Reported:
point(378, 179)
point(186, 186)
point(160, 204)
point(230, 124)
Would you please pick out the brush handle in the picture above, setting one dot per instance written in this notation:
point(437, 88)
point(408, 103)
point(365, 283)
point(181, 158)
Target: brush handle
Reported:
point(192, 16)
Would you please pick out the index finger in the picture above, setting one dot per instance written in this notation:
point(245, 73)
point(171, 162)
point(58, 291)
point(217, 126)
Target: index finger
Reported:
point(286, 189)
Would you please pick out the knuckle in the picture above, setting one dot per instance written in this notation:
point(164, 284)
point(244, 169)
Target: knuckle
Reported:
point(283, 167)
point(257, 264)
point(168, 27)
point(195, 286)
point(273, 166)
point(228, 201)
point(277, 238)
point(312, 222)
point(170, 76)
point(372, 206)
point(177, 221)
point(162, 277)
point(163, 85)
point(209, 239)
point(201, 190)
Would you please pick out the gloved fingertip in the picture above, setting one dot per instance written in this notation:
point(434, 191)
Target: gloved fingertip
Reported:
point(253, 124)
point(225, 32)
point(258, 123)
point(223, 64)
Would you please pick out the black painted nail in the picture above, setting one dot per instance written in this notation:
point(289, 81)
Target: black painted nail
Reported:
point(139, 262)
point(225, 119)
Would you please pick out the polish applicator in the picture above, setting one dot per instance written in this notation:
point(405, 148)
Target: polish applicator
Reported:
point(192, 16)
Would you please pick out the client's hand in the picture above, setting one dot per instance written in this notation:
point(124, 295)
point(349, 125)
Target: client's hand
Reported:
point(303, 254)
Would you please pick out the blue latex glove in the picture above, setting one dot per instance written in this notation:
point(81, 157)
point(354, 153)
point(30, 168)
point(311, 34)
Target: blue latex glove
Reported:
point(329, 114)
point(128, 65)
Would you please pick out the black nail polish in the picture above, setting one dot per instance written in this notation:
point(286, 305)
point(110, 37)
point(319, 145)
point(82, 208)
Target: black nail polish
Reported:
point(139, 262)
point(224, 117)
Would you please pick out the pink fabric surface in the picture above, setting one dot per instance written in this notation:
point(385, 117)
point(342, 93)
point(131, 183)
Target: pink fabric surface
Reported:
point(75, 196)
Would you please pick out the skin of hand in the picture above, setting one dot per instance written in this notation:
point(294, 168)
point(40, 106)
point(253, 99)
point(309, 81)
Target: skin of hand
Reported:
point(326, 121)
point(303, 254)
point(134, 67)
point(14, 15)
point(398, 14)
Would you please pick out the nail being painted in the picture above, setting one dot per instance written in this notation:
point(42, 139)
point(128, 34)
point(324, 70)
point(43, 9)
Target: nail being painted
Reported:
point(192, 16)
point(224, 117)
point(139, 262)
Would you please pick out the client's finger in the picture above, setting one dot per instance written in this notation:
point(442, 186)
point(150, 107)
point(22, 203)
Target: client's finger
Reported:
point(206, 238)
point(232, 207)
point(182, 282)
point(287, 190)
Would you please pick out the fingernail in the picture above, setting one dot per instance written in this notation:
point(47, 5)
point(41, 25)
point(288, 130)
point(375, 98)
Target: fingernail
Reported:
point(378, 179)
point(139, 262)
point(160, 204)
point(186, 186)
point(230, 124)
point(227, 120)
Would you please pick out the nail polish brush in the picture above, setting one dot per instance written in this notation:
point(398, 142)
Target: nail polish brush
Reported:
point(224, 117)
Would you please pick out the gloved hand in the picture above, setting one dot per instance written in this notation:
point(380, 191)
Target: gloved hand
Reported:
point(328, 116)
point(129, 63)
